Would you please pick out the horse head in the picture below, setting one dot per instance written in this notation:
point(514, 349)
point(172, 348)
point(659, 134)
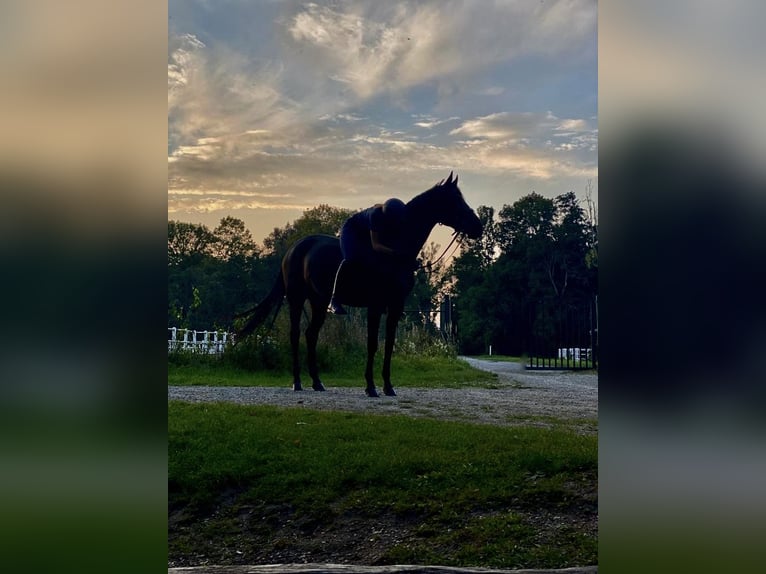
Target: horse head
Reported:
point(454, 211)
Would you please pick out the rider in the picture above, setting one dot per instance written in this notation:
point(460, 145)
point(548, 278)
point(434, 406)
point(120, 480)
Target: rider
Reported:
point(368, 233)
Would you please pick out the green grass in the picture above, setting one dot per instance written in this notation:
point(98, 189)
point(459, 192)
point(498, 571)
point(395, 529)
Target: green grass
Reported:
point(464, 494)
point(411, 371)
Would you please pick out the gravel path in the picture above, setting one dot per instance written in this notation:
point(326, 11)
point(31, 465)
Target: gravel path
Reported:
point(517, 397)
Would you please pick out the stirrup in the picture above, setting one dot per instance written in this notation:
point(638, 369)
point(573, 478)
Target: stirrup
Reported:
point(336, 308)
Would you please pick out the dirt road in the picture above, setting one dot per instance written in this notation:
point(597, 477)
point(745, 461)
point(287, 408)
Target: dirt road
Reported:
point(517, 396)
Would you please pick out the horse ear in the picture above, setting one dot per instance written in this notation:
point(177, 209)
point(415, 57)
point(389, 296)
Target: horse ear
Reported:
point(449, 179)
point(455, 182)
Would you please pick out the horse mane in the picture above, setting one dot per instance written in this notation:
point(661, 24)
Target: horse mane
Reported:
point(425, 198)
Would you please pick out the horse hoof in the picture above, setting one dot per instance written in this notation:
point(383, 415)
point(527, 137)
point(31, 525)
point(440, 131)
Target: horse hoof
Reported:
point(297, 387)
point(389, 392)
point(318, 387)
point(371, 393)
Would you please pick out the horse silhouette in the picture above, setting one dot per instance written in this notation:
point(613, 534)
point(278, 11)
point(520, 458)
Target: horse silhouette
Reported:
point(309, 268)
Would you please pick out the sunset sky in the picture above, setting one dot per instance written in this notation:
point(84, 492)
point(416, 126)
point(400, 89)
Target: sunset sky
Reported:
point(277, 106)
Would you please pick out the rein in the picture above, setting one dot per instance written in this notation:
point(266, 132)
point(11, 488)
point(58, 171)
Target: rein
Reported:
point(455, 236)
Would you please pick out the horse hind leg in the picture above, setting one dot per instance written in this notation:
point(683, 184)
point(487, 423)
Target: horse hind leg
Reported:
point(295, 338)
point(373, 324)
point(318, 315)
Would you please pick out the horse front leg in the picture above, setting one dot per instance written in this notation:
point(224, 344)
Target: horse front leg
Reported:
point(373, 324)
point(392, 320)
point(295, 339)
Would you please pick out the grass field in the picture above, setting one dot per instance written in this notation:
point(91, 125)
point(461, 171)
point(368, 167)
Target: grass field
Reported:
point(267, 484)
point(427, 372)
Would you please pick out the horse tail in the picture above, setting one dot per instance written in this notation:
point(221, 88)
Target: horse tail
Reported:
point(258, 314)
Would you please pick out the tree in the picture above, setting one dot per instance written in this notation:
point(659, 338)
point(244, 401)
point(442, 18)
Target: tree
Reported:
point(485, 247)
point(471, 288)
point(188, 240)
point(527, 270)
point(323, 219)
point(566, 263)
point(529, 219)
point(212, 275)
point(591, 256)
point(232, 239)
point(429, 286)
point(525, 238)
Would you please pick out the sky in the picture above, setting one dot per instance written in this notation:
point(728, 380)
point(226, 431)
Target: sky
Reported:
point(275, 107)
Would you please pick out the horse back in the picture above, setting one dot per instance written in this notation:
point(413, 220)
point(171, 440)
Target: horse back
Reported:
point(309, 266)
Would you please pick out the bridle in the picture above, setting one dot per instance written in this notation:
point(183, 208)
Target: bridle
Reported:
point(456, 236)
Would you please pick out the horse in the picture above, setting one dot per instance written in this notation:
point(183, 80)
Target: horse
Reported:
point(308, 272)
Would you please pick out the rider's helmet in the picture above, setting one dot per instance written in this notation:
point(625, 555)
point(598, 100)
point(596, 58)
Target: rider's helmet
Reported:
point(395, 212)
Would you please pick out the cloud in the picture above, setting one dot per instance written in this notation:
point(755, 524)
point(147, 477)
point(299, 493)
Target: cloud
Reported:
point(522, 127)
point(340, 117)
point(430, 122)
point(233, 136)
point(334, 110)
point(366, 54)
point(494, 126)
point(180, 62)
point(215, 92)
point(491, 91)
point(523, 143)
point(376, 48)
point(572, 125)
point(211, 203)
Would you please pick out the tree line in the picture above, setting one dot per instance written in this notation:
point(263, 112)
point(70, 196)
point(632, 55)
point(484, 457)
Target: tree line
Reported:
point(535, 264)
point(536, 261)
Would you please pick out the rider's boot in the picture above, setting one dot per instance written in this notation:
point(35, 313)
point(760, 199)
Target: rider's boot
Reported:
point(334, 306)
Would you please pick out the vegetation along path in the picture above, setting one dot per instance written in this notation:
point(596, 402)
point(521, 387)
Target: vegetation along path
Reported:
point(517, 396)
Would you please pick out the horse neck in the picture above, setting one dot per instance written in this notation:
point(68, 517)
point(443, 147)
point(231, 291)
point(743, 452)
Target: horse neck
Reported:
point(423, 218)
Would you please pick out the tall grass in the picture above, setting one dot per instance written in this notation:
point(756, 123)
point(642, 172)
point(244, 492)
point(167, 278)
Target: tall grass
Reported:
point(342, 346)
point(422, 358)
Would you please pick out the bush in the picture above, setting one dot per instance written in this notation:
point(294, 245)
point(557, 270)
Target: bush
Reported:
point(191, 357)
point(263, 350)
point(420, 341)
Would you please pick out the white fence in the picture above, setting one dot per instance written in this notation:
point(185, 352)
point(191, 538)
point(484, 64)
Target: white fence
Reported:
point(209, 342)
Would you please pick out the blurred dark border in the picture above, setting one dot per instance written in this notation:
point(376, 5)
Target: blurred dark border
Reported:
point(682, 322)
point(683, 272)
point(83, 180)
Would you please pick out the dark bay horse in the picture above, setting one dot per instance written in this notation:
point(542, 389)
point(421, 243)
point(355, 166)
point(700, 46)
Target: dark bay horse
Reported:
point(308, 272)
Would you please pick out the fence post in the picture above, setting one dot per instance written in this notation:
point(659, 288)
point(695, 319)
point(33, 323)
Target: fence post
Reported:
point(172, 342)
point(211, 342)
